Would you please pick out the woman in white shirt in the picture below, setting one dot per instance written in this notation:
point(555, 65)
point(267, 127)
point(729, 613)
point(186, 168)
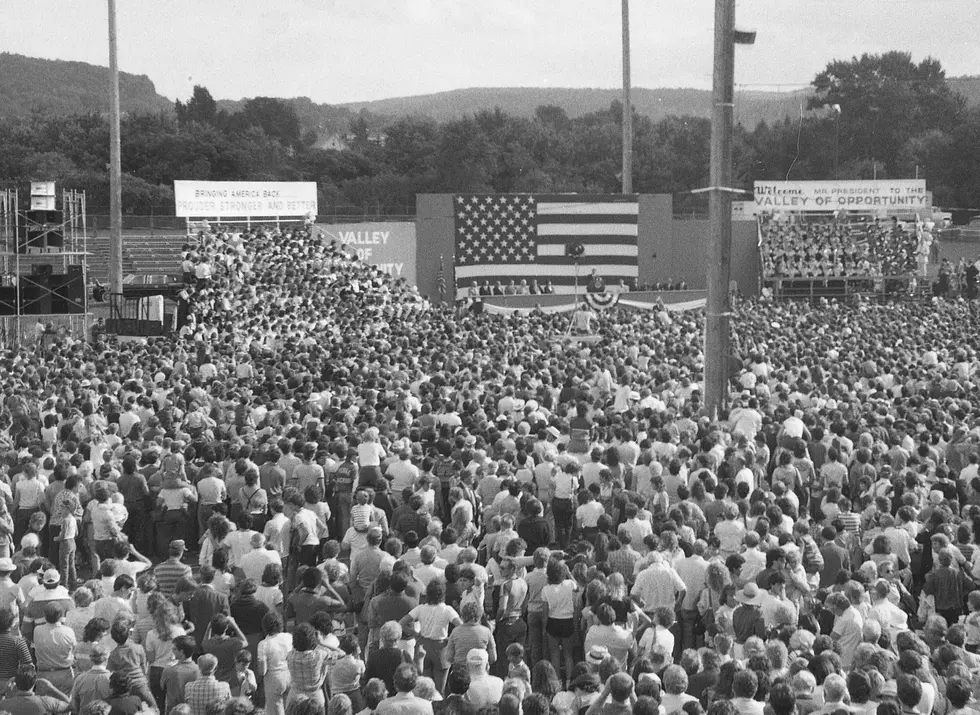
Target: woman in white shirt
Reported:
point(369, 456)
point(434, 619)
point(271, 663)
point(559, 615)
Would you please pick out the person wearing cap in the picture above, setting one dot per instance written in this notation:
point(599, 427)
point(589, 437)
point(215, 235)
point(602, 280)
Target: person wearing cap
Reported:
point(171, 571)
point(92, 684)
point(49, 592)
point(10, 593)
point(747, 620)
point(485, 689)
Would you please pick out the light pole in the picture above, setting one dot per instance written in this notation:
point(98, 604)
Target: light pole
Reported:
point(718, 313)
point(627, 105)
point(115, 162)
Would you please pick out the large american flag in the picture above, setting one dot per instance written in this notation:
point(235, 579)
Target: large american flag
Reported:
point(514, 237)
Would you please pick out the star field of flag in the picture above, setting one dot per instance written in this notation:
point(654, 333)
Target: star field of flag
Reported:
point(495, 229)
point(514, 238)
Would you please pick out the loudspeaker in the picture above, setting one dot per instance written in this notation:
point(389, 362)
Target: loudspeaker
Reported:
point(69, 292)
point(41, 230)
point(8, 300)
point(35, 300)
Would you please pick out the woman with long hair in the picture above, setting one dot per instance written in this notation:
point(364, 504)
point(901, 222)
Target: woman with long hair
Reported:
point(167, 619)
point(544, 680)
point(716, 578)
point(618, 596)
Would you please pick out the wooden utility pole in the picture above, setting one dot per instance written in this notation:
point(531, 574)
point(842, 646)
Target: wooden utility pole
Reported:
point(115, 162)
point(627, 105)
point(717, 328)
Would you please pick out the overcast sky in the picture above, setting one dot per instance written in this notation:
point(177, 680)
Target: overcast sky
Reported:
point(347, 50)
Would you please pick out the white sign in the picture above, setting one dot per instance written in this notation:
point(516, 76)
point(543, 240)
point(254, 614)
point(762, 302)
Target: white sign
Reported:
point(230, 199)
point(744, 211)
point(891, 195)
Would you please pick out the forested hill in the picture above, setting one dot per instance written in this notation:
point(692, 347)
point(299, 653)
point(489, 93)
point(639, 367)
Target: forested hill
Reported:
point(30, 84)
point(751, 107)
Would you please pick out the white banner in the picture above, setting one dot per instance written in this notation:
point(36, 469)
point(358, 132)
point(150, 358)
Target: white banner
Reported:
point(870, 196)
point(232, 199)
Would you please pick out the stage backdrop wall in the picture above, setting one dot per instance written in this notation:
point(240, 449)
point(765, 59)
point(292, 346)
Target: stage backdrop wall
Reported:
point(667, 248)
point(391, 245)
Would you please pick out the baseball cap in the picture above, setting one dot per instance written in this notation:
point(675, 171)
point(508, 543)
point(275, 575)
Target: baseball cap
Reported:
point(51, 577)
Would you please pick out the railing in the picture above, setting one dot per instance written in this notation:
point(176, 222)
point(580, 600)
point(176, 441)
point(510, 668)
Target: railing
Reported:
point(137, 316)
point(845, 287)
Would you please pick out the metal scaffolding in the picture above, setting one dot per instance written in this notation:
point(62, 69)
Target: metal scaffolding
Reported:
point(23, 247)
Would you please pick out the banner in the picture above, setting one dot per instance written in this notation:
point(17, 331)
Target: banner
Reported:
point(245, 199)
point(870, 196)
point(623, 302)
point(390, 245)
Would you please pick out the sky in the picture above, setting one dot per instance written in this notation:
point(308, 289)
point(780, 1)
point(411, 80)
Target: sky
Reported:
point(338, 51)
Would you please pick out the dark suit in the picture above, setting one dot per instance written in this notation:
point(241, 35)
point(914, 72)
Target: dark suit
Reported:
point(203, 606)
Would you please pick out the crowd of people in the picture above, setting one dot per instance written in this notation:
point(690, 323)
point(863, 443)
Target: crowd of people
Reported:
point(799, 247)
point(328, 496)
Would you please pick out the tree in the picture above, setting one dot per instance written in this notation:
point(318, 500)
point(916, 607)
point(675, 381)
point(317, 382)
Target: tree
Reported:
point(885, 100)
point(200, 108)
point(273, 116)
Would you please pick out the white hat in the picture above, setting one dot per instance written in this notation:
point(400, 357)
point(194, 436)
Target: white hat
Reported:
point(51, 577)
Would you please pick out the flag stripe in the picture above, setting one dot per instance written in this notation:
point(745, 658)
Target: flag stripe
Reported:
point(586, 221)
point(592, 261)
point(504, 272)
point(588, 229)
point(571, 199)
point(592, 251)
point(566, 209)
point(588, 241)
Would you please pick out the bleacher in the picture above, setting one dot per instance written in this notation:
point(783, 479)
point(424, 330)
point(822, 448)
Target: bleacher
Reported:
point(146, 259)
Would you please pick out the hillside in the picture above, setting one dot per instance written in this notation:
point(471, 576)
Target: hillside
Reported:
point(751, 107)
point(29, 84)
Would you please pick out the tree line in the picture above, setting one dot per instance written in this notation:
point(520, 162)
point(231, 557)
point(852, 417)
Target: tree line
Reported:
point(877, 115)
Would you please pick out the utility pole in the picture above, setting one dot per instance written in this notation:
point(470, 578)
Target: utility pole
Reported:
point(627, 105)
point(115, 162)
point(717, 326)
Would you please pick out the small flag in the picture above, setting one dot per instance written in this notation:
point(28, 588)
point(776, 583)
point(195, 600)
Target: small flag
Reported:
point(442, 281)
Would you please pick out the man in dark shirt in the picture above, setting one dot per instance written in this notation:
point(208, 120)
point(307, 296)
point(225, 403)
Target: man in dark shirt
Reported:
point(835, 558)
point(775, 563)
point(535, 529)
point(384, 660)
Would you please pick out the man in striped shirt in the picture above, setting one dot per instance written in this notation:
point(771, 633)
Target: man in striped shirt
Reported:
point(170, 572)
